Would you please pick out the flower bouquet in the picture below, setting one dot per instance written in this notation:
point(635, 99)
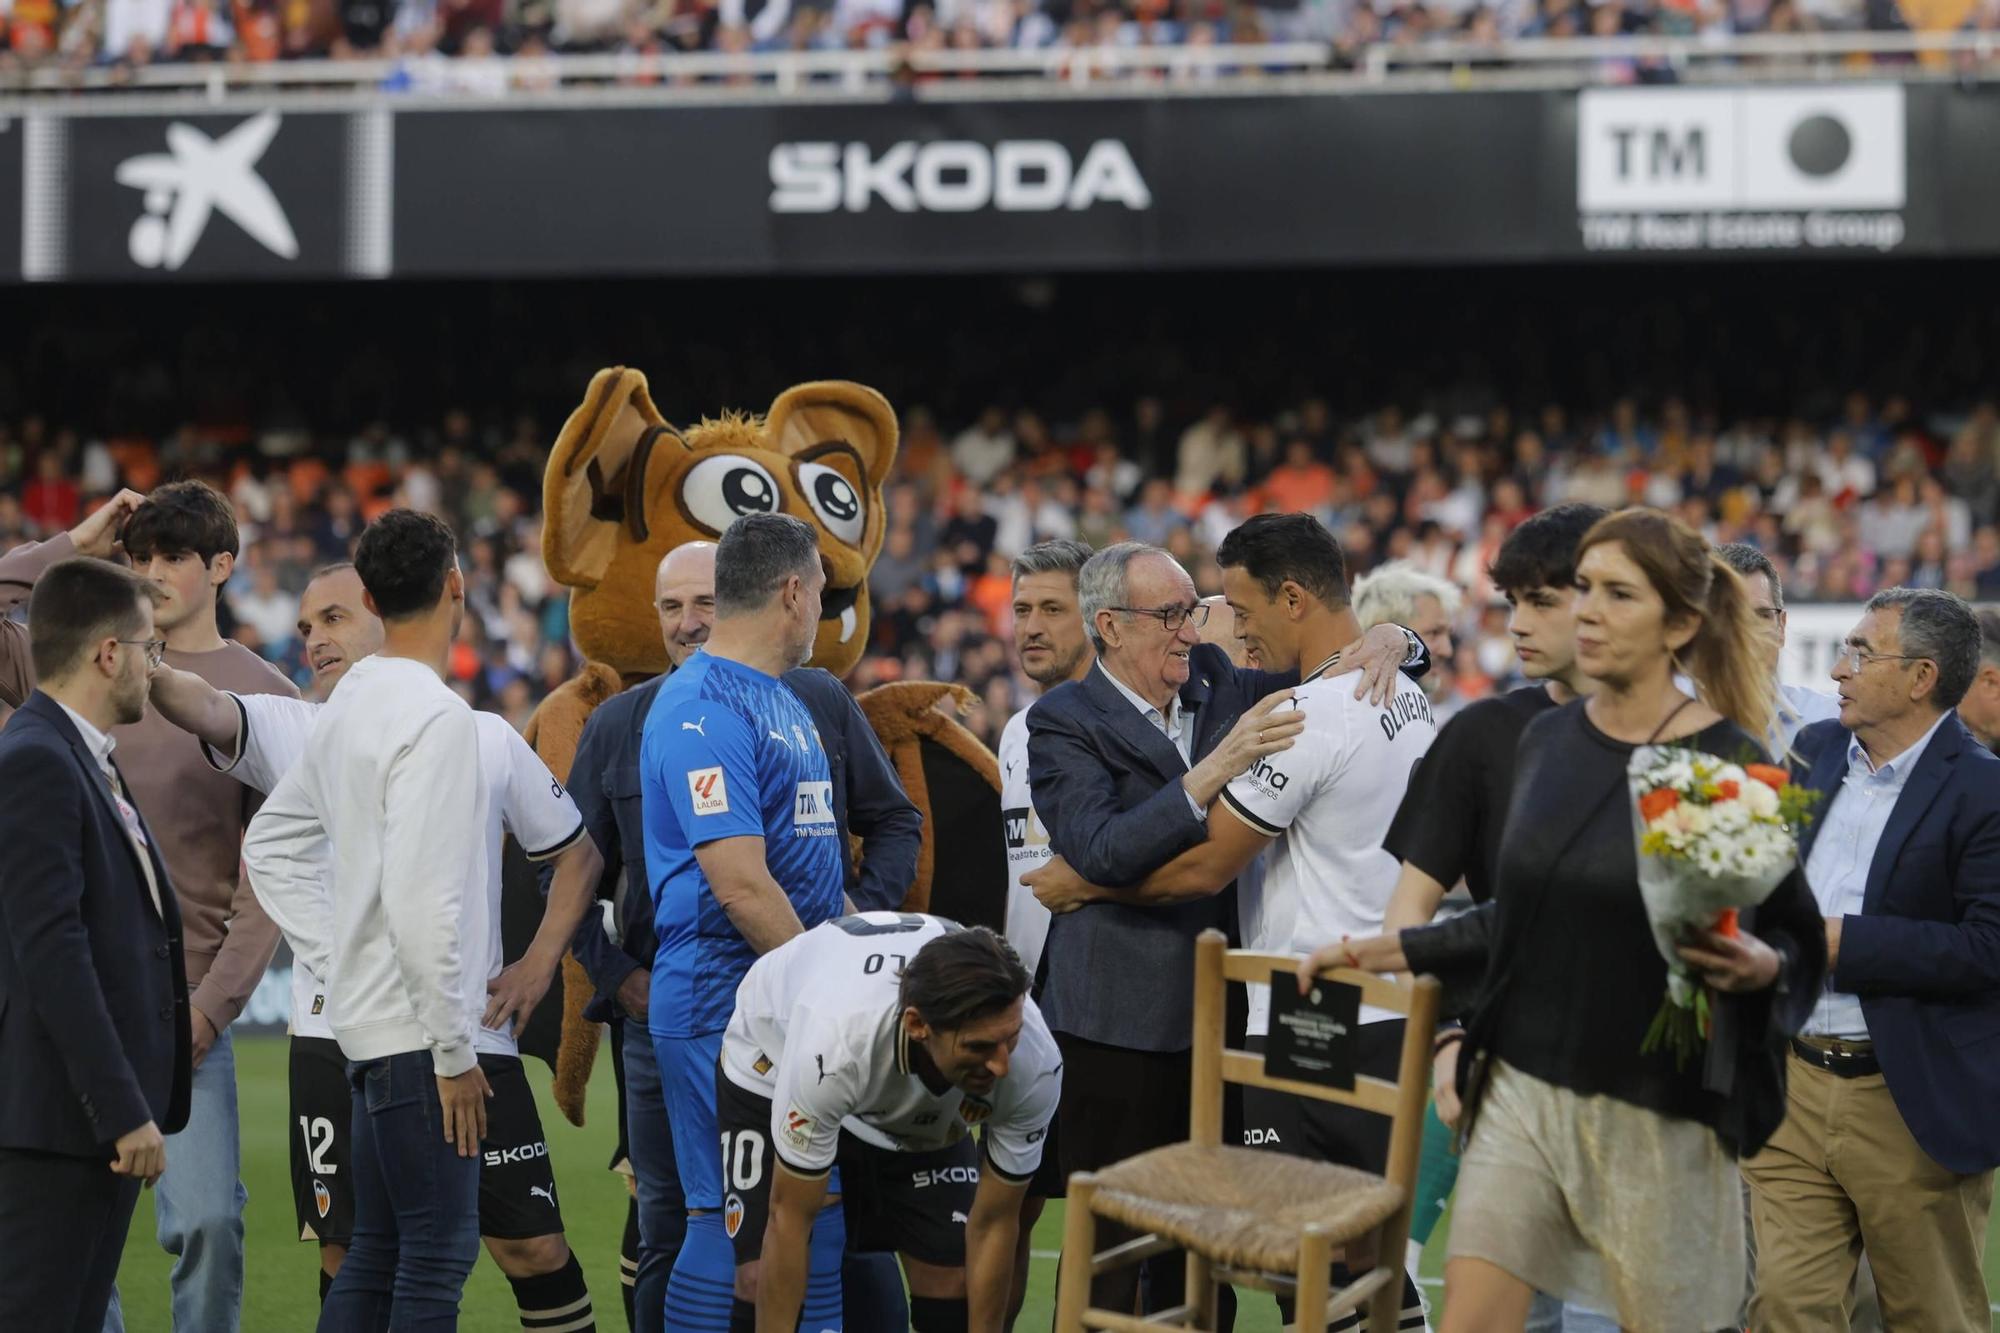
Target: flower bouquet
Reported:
point(1713, 838)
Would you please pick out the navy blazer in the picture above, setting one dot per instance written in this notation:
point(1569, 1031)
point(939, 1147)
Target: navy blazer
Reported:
point(93, 987)
point(1924, 954)
point(1107, 783)
point(868, 800)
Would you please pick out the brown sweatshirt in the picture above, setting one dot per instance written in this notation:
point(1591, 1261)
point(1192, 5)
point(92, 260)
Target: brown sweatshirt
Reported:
point(197, 814)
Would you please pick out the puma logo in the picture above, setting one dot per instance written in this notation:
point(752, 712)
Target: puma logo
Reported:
point(536, 1191)
point(820, 1060)
point(696, 727)
point(777, 736)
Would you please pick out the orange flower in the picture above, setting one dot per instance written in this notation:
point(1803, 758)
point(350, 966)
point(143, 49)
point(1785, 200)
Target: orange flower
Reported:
point(1769, 774)
point(1727, 790)
point(1657, 802)
point(1725, 924)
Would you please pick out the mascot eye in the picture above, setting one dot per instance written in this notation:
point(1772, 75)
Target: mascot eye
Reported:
point(834, 499)
point(718, 491)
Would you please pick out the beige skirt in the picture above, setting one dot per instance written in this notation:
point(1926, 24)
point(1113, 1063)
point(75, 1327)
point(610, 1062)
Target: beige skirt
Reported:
point(1603, 1203)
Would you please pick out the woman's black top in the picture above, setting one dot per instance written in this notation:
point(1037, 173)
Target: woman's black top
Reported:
point(1576, 979)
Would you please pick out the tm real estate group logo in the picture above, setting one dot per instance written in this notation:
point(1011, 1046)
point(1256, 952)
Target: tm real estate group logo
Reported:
point(1741, 169)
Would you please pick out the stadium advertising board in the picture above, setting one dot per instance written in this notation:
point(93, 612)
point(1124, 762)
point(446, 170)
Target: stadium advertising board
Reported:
point(426, 190)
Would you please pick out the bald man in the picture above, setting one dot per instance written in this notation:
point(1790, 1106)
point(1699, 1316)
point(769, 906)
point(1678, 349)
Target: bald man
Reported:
point(618, 955)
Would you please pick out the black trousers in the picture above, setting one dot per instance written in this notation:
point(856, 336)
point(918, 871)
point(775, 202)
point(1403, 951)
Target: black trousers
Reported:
point(62, 1232)
point(1117, 1103)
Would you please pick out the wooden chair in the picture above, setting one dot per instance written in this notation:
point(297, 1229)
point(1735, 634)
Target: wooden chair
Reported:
point(1263, 1220)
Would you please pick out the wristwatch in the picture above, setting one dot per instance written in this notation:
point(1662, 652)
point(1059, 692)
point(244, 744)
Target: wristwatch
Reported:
point(1416, 653)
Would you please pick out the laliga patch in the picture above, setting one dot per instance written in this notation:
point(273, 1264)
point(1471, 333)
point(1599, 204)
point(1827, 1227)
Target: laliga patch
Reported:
point(798, 1129)
point(710, 792)
point(732, 1215)
point(322, 1199)
point(973, 1112)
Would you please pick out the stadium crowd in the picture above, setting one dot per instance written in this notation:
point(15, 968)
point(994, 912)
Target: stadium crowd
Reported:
point(1881, 496)
point(422, 36)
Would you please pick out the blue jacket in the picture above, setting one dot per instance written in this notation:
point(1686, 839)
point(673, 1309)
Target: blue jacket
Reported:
point(1924, 954)
point(868, 800)
point(93, 986)
point(1107, 783)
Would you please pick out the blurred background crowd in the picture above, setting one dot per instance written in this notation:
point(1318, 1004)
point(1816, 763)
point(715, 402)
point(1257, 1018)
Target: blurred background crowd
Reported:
point(423, 37)
point(1879, 494)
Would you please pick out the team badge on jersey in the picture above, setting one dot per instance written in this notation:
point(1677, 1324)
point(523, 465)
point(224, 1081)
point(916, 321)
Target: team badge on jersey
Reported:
point(763, 1065)
point(710, 792)
point(973, 1112)
point(732, 1215)
point(322, 1198)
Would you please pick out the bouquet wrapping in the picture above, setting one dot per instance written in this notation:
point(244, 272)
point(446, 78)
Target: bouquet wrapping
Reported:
point(1713, 838)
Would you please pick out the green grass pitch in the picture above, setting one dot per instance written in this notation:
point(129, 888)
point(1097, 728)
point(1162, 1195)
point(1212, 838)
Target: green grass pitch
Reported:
point(282, 1293)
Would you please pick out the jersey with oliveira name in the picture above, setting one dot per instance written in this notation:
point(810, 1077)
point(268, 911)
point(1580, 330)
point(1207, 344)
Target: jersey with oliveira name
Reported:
point(818, 1029)
point(522, 798)
point(1329, 801)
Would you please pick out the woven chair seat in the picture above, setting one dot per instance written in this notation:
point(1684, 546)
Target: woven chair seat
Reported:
point(1240, 1206)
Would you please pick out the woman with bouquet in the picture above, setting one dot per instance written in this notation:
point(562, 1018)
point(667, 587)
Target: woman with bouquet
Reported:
point(1594, 1169)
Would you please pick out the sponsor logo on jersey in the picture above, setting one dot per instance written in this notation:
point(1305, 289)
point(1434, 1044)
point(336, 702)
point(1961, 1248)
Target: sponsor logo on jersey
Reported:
point(1267, 778)
point(322, 1198)
point(1258, 1137)
point(732, 1215)
point(926, 1118)
point(1036, 1135)
point(813, 805)
point(710, 792)
point(527, 1152)
point(972, 1112)
point(798, 1129)
point(696, 727)
point(945, 1175)
point(545, 1192)
point(959, 1218)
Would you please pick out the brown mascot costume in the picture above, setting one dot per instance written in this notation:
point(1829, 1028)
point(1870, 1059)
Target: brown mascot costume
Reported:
point(623, 488)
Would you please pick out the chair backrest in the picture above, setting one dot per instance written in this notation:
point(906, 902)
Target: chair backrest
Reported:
point(1215, 1064)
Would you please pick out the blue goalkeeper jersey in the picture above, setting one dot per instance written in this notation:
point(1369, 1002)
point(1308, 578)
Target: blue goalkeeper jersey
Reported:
point(728, 752)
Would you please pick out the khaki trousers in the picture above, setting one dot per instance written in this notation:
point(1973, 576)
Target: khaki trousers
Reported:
point(1842, 1173)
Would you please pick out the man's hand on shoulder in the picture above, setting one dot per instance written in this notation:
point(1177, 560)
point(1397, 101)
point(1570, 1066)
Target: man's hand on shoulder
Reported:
point(1381, 655)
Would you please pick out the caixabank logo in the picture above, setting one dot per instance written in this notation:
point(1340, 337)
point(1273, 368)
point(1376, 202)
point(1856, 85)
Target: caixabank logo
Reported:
point(1741, 169)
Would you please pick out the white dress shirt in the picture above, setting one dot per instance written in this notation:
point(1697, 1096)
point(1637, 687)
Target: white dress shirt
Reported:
point(1837, 870)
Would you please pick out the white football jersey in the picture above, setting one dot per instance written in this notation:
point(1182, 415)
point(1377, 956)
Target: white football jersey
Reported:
point(1329, 801)
point(1028, 848)
point(522, 798)
point(818, 1029)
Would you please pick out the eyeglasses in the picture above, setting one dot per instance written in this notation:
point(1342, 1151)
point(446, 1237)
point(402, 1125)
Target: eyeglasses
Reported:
point(1171, 617)
point(1854, 655)
point(156, 649)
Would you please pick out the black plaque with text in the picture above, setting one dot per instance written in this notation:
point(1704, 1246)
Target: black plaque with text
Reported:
point(1312, 1036)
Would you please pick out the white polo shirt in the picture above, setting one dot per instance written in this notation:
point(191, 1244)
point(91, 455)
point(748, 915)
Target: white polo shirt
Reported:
point(1028, 848)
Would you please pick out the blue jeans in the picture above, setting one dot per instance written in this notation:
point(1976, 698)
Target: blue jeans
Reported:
point(198, 1204)
point(416, 1206)
point(649, 1140)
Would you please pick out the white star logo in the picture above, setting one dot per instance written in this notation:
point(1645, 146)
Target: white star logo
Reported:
point(200, 176)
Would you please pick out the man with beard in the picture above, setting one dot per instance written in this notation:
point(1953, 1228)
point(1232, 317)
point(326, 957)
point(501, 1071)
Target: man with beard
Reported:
point(91, 976)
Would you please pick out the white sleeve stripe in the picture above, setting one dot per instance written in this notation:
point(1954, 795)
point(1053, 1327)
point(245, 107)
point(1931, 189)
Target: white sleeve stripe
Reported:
point(575, 836)
point(1242, 812)
point(215, 761)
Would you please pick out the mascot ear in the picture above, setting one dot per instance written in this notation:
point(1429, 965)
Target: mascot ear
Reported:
point(593, 494)
point(836, 410)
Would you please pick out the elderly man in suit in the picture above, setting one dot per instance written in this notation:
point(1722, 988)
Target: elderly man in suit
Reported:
point(1124, 764)
point(93, 993)
point(1890, 1140)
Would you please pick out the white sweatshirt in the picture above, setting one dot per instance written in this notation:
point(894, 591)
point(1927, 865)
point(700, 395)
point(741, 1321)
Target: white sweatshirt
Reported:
point(388, 790)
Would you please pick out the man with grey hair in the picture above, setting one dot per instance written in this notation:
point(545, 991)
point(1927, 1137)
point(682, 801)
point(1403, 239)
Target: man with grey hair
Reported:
point(1798, 706)
point(1123, 763)
point(1980, 709)
point(742, 854)
point(1890, 1142)
point(1399, 593)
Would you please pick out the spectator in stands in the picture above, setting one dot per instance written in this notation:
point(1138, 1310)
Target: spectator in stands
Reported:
point(1399, 593)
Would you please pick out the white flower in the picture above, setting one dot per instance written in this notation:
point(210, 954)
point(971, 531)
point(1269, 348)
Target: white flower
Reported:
point(1762, 800)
